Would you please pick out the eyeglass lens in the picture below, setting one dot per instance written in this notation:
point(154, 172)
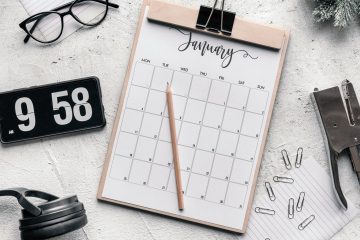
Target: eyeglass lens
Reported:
point(89, 12)
point(47, 27)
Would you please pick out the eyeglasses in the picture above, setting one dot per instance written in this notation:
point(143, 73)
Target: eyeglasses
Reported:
point(47, 27)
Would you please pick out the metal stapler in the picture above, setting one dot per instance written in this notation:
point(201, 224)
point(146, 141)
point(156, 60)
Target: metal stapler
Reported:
point(339, 114)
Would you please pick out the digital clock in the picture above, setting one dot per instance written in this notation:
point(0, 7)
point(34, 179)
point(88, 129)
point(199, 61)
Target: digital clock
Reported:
point(52, 109)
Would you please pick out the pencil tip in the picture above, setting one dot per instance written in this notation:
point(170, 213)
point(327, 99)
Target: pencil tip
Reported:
point(169, 89)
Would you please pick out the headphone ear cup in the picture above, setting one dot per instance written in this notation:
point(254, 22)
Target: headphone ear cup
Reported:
point(58, 217)
point(55, 229)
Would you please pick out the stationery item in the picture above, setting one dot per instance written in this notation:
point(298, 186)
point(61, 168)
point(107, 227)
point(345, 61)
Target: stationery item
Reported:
point(264, 211)
point(327, 217)
point(291, 208)
point(283, 179)
point(339, 116)
point(270, 191)
point(306, 222)
point(53, 109)
point(215, 20)
point(56, 216)
point(224, 89)
point(46, 21)
point(299, 156)
point(300, 202)
point(286, 159)
point(175, 150)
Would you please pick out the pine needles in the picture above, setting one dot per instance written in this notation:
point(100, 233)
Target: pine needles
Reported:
point(343, 12)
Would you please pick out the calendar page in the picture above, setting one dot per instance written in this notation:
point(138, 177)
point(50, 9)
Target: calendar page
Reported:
point(222, 99)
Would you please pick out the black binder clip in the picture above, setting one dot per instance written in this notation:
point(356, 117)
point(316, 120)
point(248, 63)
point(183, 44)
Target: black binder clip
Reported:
point(216, 20)
point(339, 114)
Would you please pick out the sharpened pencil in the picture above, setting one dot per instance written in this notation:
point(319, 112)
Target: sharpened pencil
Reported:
point(175, 151)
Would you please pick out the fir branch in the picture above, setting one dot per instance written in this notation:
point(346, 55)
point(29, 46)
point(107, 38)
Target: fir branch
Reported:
point(324, 12)
point(343, 12)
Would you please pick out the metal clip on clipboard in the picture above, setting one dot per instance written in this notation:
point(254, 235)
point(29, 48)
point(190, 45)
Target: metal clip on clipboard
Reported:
point(339, 114)
point(216, 20)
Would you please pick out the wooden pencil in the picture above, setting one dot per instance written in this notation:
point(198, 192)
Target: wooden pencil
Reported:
point(175, 151)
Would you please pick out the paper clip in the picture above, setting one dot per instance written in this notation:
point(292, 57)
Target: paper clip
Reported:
point(283, 179)
point(306, 222)
point(299, 156)
point(264, 211)
point(270, 191)
point(286, 159)
point(291, 208)
point(300, 202)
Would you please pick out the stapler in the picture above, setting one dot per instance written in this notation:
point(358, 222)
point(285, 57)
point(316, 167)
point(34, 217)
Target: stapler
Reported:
point(339, 115)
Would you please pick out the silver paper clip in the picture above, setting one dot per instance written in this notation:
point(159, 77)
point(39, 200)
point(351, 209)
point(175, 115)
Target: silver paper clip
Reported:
point(286, 159)
point(264, 211)
point(306, 222)
point(299, 156)
point(291, 208)
point(300, 202)
point(270, 191)
point(283, 179)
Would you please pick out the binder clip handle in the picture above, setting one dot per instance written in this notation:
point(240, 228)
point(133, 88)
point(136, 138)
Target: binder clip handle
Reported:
point(216, 20)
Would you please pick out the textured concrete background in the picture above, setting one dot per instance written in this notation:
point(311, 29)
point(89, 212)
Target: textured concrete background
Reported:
point(318, 55)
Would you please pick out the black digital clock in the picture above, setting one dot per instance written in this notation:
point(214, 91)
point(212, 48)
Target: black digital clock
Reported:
point(52, 109)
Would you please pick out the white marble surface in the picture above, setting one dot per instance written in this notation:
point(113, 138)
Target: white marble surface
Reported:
point(318, 55)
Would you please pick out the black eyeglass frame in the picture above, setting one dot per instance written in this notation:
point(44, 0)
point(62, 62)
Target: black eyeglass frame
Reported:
point(29, 35)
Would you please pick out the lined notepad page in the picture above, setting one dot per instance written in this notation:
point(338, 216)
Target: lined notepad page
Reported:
point(320, 201)
point(70, 25)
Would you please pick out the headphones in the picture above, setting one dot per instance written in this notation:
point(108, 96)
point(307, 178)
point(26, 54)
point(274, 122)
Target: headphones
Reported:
point(55, 217)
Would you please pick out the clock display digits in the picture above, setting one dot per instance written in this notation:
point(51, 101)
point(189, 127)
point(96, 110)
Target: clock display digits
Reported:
point(83, 102)
point(53, 109)
point(28, 116)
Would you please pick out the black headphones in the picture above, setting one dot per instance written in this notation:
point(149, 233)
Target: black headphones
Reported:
point(55, 217)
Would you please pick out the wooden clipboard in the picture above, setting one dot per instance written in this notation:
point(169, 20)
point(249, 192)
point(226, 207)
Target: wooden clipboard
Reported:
point(184, 17)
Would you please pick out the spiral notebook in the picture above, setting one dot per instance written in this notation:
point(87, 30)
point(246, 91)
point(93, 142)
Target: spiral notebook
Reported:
point(224, 91)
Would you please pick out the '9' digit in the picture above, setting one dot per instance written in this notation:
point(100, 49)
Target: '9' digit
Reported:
point(83, 102)
point(28, 116)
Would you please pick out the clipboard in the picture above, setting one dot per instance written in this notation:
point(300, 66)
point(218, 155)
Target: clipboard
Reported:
point(242, 31)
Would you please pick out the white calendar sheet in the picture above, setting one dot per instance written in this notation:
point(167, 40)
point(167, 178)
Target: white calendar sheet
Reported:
point(222, 99)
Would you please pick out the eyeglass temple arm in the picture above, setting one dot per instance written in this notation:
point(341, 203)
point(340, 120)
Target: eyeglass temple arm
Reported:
point(99, 1)
point(26, 39)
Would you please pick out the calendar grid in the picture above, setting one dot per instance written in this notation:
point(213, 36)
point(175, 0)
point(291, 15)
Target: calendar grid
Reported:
point(160, 165)
point(186, 196)
point(217, 142)
point(181, 123)
point(223, 130)
point(142, 119)
point(183, 117)
point(174, 94)
point(232, 164)
point(198, 75)
point(158, 135)
point(197, 141)
point(220, 154)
